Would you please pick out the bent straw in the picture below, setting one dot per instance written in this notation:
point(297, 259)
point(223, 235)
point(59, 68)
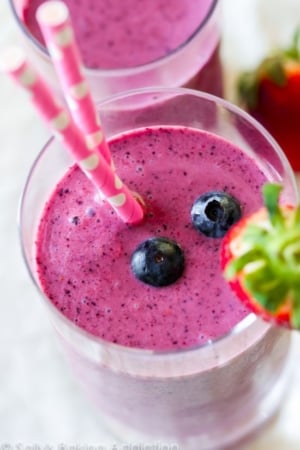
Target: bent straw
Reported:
point(55, 23)
point(94, 165)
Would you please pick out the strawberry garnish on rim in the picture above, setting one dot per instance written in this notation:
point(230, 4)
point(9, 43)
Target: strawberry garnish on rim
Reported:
point(271, 93)
point(261, 260)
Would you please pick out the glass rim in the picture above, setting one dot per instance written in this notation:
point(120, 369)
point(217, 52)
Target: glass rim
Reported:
point(121, 70)
point(242, 325)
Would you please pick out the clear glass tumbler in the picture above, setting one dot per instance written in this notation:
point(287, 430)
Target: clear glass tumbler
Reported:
point(194, 64)
point(211, 397)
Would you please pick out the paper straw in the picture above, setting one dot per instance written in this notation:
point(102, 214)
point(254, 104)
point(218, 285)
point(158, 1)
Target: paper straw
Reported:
point(116, 193)
point(55, 23)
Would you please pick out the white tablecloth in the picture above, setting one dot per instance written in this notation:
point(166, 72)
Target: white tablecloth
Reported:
point(39, 402)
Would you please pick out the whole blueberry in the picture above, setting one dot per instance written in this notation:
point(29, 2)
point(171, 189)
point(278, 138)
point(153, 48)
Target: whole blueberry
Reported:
point(158, 261)
point(213, 213)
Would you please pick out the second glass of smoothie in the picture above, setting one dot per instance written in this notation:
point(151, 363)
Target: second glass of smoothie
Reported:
point(185, 363)
point(132, 44)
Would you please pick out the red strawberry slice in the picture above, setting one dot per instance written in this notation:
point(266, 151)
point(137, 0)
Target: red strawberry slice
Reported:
point(260, 259)
point(271, 94)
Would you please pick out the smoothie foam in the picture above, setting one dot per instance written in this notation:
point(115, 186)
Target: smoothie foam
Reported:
point(84, 250)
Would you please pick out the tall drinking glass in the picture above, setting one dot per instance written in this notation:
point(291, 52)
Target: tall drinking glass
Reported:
point(208, 396)
point(192, 60)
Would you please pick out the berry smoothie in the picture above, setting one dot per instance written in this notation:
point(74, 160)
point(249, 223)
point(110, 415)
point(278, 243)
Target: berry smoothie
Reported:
point(128, 34)
point(84, 255)
point(84, 250)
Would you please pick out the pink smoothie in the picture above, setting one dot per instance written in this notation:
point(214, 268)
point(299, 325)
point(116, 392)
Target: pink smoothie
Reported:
point(84, 250)
point(122, 34)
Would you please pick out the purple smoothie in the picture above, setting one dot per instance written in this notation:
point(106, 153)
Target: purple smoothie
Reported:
point(130, 33)
point(162, 385)
point(84, 250)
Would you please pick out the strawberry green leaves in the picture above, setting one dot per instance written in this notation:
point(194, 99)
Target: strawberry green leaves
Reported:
point(263, 257)
point(293, 52)
point(295, 319)
point(248, 86)
point(273, 68)
point(271, 194)
point(270, 92)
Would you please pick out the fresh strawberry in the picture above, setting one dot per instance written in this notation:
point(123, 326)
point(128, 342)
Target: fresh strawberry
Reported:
point(271, 94)
point(261, 260)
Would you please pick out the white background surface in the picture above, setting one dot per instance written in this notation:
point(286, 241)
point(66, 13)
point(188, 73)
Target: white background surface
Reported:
point(39, 401)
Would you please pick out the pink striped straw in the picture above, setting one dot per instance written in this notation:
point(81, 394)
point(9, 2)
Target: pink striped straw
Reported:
point(92, 162)
point(55, 23)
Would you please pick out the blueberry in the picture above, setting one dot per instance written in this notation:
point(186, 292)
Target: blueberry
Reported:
point(75, 220)
point(213, 213)
point(158, 261)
